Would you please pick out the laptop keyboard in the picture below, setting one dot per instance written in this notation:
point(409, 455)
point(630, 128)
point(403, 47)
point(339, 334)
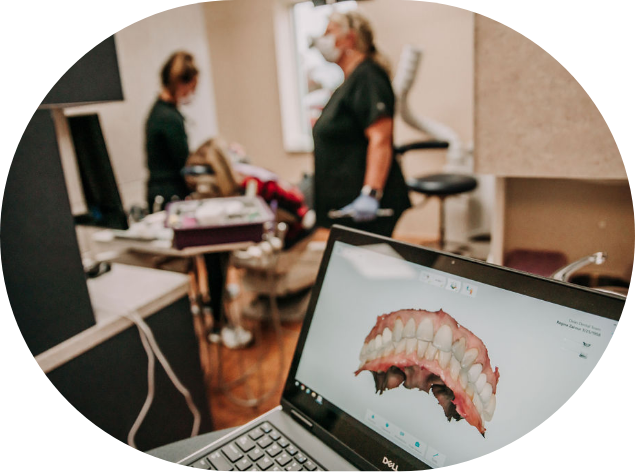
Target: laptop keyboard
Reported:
point(261, 448)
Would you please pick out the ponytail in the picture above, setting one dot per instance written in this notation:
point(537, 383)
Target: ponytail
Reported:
point(178, 69)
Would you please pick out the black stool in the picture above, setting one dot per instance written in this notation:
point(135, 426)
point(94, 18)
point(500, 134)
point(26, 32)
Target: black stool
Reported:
point(437, 185)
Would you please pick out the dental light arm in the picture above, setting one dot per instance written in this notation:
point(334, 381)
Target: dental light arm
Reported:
point(402, 83)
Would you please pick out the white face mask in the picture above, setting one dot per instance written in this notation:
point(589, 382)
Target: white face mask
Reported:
point(326, 45)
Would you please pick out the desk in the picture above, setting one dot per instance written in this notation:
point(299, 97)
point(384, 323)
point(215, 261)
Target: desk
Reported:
point(102, 371)
point(125, 290)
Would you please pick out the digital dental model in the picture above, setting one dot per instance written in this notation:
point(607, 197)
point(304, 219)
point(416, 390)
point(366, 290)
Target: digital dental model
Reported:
point(431, 351)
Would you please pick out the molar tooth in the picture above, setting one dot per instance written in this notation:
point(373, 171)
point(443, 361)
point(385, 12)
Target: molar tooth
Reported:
point(474, 372)
point(400, 346)
point(386, 336)
point(444, 358)
point(486, 393)
point(488, 411)
point(411, 345)
point(458, 348)
point(425, 331)
point(480, 382)
point(431, 351)
point(371, 356)
point(422, 347)
point(443, 338)
point(378, 342)
point(455, 368)
point(397, 330)
point(469, 357)
point(409, 329)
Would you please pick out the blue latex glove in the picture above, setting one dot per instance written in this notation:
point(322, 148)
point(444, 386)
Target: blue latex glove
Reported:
point(364, 208)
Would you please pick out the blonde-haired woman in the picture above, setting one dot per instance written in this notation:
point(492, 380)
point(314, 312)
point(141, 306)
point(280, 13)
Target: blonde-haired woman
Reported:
point(166, 140)
point(355, 169)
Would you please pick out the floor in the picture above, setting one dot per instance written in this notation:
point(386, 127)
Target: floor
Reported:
point(244, 383)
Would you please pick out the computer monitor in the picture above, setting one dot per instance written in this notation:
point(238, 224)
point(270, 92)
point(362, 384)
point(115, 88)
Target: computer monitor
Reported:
point(101, 193)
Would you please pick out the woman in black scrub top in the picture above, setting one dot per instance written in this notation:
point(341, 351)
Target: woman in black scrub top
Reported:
point(355, 169)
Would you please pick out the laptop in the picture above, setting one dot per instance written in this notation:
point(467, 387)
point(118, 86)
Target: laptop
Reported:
point(411, 359)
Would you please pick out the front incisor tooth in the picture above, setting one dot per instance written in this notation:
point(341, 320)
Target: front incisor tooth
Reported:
point(397, 330)
point(422, 347)
point(386, 336)
point(431, 351)
point(411, 345)
point(401, 346)
point(444, 359)
point(469, 357)
point(410, 329)
point(443, 338)
point(389, 349)
point(378, 342)
point(425, 331)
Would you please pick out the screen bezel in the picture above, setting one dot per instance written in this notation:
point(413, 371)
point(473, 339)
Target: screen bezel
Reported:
point(369, 447)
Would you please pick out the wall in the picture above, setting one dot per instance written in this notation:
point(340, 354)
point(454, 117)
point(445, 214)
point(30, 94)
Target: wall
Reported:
point(532, 117)
point(142, 48)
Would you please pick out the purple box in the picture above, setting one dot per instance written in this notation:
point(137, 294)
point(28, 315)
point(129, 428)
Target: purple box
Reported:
point(218, 221)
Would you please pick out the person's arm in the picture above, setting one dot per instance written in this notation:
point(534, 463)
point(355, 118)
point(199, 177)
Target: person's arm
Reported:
point(379, 153)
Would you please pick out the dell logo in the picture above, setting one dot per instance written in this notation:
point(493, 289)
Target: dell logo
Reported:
point(391, 464)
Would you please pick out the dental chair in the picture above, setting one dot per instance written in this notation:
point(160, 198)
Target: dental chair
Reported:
point(454, 180)
point(284, 266)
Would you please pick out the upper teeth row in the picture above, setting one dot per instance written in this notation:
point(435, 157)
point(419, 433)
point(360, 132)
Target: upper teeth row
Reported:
point(438, 346)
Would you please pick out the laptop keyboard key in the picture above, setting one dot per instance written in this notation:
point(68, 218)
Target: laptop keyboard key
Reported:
point(301, 458)
point(293, 466)
point(244, 464)
point(284, 459)
point(275, 435)
point(201, 465)
point(310, 465)
point(245, 443)
point(276, 467)
point(291, 450)
point(256, 434)
point(232, 452)
point(219, 462)
point(256, 454)
point(266, 428)
point(283, 442)
point(274, 450)
point(265, 442)
point(264, 463)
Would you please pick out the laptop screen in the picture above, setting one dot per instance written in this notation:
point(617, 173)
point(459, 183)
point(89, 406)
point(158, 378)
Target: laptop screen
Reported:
point(447, 367)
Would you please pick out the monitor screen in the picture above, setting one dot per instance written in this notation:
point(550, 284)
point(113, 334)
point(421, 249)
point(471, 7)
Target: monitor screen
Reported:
point(447, 368)
point(101, 193)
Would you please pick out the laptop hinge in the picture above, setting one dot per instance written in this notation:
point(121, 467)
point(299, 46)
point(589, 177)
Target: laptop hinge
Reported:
point(302, 419)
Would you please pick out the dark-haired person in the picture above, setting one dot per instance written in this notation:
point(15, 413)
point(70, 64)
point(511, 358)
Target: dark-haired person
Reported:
point(167, 150)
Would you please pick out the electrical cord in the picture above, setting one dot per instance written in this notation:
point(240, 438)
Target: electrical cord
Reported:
point(153, 351)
